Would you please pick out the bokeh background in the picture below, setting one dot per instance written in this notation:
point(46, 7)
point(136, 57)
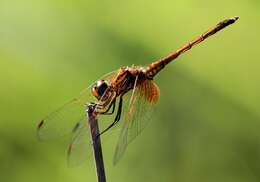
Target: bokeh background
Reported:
point(206, 127)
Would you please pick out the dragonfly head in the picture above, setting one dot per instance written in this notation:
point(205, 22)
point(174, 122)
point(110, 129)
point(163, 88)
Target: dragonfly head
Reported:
point(99, 88)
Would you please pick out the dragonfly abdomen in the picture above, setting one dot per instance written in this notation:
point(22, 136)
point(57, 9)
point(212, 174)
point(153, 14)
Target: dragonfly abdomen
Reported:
point(154, 68)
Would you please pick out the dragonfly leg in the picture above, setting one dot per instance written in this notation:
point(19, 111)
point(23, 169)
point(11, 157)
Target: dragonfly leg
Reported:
point(104, 106)
point(117, 118)
point(113, 105)
point(119, 111)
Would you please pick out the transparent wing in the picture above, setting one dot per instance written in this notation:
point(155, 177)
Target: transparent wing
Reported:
point(61, 122)
point(80, 145)
point(136, 116)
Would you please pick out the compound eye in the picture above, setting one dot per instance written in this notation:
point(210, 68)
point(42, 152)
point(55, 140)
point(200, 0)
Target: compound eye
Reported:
point(99, 88)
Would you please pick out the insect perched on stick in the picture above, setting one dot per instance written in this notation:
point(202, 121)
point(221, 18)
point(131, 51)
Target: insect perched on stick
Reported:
point(108, 98)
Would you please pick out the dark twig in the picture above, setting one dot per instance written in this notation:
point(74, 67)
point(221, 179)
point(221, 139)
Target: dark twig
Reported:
point(93, 124)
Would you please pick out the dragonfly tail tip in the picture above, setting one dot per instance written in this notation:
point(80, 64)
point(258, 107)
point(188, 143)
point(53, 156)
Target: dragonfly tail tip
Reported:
point(236, 18)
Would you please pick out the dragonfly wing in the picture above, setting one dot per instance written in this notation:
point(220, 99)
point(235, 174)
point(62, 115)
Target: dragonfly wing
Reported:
point(80, 144)
point(141, 104)
point(61, 122)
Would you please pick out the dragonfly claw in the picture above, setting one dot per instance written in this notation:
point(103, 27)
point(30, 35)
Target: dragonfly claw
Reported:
point(91, 107)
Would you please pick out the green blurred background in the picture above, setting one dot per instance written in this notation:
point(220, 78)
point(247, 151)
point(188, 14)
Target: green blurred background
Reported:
point(206, 126)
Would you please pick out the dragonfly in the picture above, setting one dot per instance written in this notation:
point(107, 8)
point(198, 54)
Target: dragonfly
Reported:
point(128, 94)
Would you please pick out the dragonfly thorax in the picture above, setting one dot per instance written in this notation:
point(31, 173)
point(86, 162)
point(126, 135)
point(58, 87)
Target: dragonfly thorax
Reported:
point(99, 88)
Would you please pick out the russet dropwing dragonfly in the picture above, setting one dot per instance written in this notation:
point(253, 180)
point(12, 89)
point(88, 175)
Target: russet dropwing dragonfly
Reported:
point(108, 95)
